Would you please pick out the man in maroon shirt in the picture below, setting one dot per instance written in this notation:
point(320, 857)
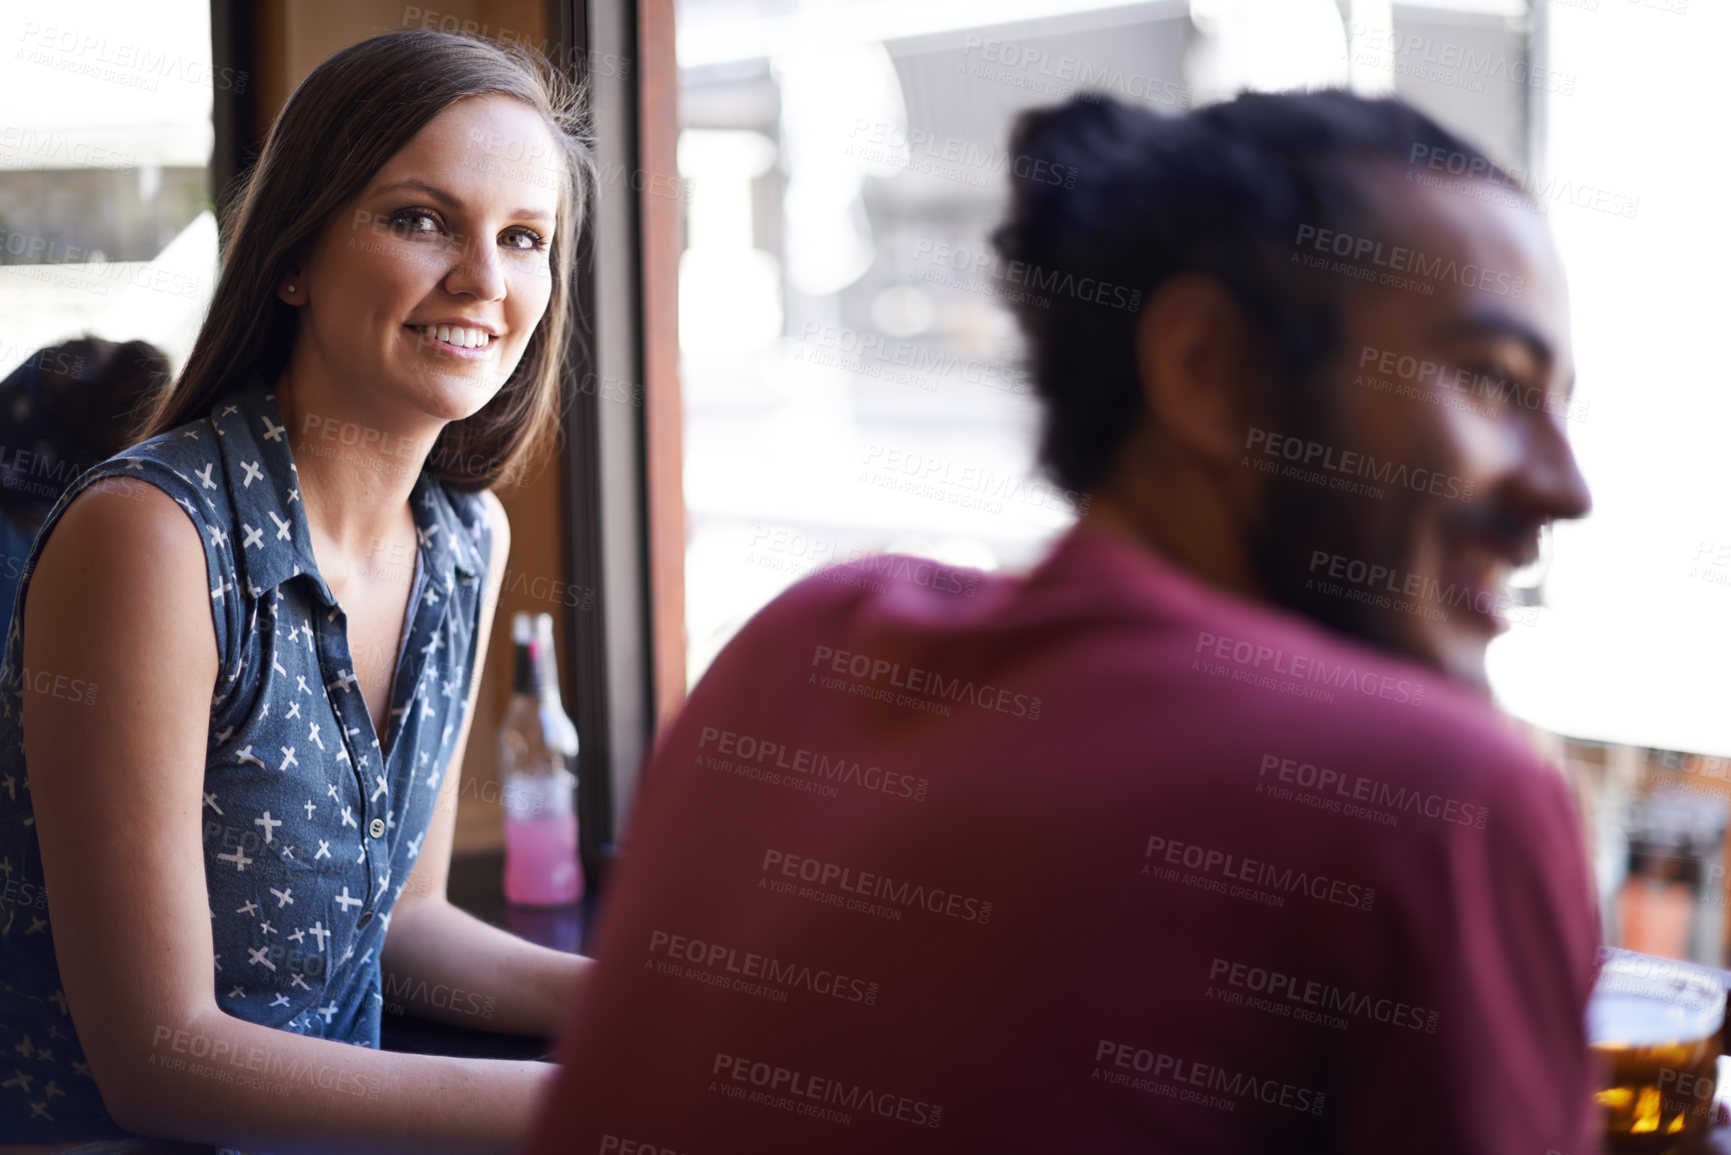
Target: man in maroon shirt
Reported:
point(1204, 836)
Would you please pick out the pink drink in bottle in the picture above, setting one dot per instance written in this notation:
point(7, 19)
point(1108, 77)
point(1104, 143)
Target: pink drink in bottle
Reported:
point(541, 867)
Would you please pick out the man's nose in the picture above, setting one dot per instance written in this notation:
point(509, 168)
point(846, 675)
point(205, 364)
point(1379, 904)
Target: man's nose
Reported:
point(1550, 475)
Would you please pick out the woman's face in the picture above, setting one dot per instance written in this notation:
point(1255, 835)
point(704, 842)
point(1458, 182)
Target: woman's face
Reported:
point(455, 230)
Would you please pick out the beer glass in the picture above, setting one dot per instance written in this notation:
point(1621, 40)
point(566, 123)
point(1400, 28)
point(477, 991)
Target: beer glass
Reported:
point(1655, 1025)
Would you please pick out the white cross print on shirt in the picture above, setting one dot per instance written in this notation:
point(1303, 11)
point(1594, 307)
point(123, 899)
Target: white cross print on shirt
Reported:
point(347, 679)
point(349, 817)
point(204, 475)
point(210, 801)
point(298, 981)
point(270, 824)
point(319, 932)
point(282, 896)
point(346, 900)
point(309, 809)
point(271, 432)
point(239, 858)
point(288, 757)
point(20, 1080)
point(297, 936)
point(329, 1011)
point(224, 734)
point(280, 1001)
point(253, 537)
point(218, 535)
point(253, 473)
point(384, 787)
point(282, 527)
point(256, 957)
point(267, 927)
point(331, 789)
point(217, 591)
point(294, 711)
point(250, 909)
point(245, 754)
point(313, 737)
point(236, 992)
point(324, 850)
point(301, 683)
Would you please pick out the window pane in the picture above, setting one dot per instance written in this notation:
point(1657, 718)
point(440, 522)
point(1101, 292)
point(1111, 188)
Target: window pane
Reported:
point(105, 217)
point(851, 378)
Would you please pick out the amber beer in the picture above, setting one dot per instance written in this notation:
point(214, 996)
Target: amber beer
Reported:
point(1655, 1025)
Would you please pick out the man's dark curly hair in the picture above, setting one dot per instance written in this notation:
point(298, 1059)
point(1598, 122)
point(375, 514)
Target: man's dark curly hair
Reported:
point(1222, 190)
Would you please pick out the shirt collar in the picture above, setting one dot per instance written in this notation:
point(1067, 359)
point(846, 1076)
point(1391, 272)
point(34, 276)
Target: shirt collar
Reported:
point(264, 487)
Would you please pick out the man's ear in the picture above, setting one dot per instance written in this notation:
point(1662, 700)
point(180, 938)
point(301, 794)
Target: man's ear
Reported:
point(1196, 354)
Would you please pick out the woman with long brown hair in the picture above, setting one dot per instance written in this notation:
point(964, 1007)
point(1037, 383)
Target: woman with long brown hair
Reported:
point(230, 729)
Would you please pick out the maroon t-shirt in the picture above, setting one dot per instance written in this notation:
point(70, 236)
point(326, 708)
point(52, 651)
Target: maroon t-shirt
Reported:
point(1096, 860)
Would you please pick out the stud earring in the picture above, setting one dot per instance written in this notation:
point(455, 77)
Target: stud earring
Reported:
point(290, 288)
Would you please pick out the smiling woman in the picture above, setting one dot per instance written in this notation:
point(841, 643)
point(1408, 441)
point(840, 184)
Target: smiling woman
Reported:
point(222, 861)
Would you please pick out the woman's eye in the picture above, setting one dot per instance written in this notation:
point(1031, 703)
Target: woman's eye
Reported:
point(408, 221)
point(526, 239)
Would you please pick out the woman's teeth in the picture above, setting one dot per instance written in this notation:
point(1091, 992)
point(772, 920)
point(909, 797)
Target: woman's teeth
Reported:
point(456, 335)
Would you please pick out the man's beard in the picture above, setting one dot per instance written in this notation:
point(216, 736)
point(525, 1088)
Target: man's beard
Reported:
point(1306, 524)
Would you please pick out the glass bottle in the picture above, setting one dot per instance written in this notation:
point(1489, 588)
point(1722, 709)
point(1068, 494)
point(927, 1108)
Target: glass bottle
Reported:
point(541, 867)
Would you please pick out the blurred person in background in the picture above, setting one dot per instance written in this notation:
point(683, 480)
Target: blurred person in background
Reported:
point(1205, 835)
point(64, 409)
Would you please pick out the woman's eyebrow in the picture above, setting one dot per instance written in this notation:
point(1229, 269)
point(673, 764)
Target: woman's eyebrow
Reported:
point(441, 195)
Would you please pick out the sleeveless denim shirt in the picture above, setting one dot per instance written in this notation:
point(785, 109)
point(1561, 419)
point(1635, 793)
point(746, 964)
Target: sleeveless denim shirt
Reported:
point(311, 827)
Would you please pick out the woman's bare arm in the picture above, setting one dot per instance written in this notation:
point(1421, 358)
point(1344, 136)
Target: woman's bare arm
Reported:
point(117, 794)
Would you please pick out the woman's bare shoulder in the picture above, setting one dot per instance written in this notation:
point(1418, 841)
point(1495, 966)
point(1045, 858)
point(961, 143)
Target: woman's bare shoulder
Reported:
point(122, 549)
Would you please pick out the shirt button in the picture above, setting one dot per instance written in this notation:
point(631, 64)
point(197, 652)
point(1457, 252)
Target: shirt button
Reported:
point(376, 828)
point(366, 917)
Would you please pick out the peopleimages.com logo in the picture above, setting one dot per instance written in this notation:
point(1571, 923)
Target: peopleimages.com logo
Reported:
point(1398, 259)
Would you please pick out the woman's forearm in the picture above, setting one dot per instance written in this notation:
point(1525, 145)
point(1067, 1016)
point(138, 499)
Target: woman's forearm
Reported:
point(444, 964)
point(218, 1079)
